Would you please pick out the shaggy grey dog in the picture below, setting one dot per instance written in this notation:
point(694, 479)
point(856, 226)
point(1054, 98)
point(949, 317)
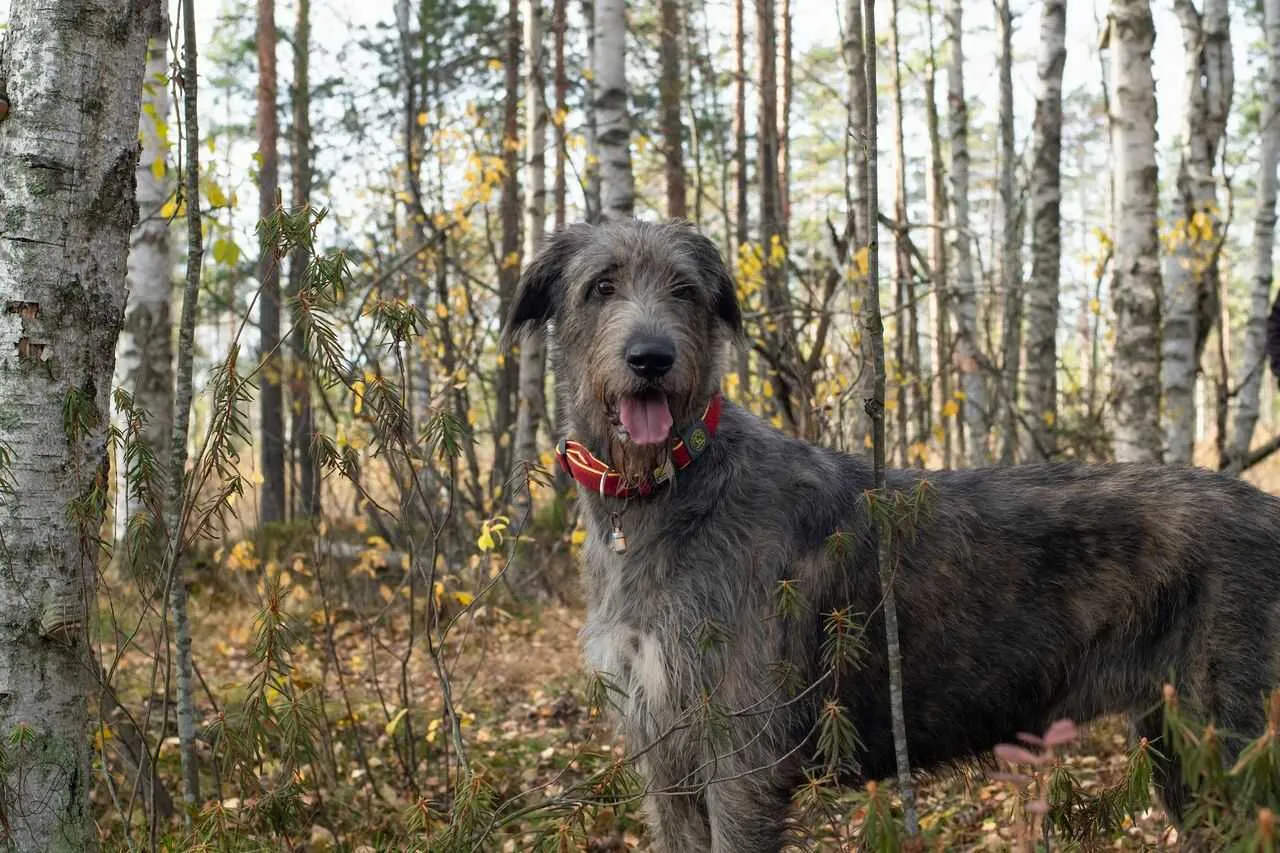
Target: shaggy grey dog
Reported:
point(733, 600)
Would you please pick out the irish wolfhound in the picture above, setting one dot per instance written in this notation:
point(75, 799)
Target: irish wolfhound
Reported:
point(718, 605)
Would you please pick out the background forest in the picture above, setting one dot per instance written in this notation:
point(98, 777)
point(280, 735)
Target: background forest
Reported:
point(333, 598)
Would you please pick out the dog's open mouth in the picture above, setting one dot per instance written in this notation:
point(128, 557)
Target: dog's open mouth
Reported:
point(645, 418)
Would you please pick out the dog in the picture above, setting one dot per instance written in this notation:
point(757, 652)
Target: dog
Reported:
point(734, 606)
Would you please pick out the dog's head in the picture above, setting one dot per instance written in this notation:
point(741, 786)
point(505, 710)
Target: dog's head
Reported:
point(641, 316)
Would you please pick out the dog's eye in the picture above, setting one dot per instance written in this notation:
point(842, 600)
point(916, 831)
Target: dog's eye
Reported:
point(604, 288)
point(687, 292)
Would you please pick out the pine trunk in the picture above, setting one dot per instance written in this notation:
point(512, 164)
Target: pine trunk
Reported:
point(1135, 283)
point(906, 333)
point(307, 497)
point(144, 356)
point(964, 297)
point(672, 125)
point(67, 180)
point(613, 118)
point(1253, 359)
point(786, 396)
point(591, 192)
point(506, 382)
point(271, 500)
point(1046, 234)
point(741, 222)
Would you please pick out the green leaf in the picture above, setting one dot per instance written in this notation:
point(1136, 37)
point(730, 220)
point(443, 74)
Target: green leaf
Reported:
point(225, 251)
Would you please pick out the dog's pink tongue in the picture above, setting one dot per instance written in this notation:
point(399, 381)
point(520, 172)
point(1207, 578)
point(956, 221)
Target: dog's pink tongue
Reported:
point(647, 419)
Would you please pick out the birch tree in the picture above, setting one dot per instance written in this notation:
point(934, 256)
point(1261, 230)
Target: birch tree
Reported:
point(1192, 267)
point(71, 73)
point(144, 355)
point(858, 423)
point(964, 297)
point(1010, 241)
point(936, 198)
point(612, 110)
point(1135, 284)
point(1046, 233)
point(533, 354)
point(1253, 360)
point(271, 398)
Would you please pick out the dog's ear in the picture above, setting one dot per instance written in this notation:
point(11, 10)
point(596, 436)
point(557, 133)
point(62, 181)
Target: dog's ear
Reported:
point(716, 275)
point(541, 284)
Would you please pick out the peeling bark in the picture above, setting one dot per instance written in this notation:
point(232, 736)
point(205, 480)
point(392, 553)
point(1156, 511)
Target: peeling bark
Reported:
point(1136, 277)
point(612, 113)
point(1046, 234)
point(72, 73)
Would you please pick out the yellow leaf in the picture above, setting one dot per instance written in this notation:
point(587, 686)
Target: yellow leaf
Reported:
point(441, 311)
point(578, 536)
point(169, 209)
point(463, 598)
point(158, 168)
point(394, 723)
point(422, 119)
point(950, 409)
point(357, 388)
point(216, 196)
point(862, 260)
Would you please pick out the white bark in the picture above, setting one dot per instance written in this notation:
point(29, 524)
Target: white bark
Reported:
point(532, 406)
point(144, 355)
point(1046, 231)
point(1253, 360)
point(858, 424)
point(1192, 268)
point(1010, 241)
point(964, 298)
point(613, 119)
point(1135, 283)
point(72, 73)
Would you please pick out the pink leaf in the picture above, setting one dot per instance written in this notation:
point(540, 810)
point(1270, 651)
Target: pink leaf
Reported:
point(1014, 754)
point(1038, 807)
point(1062, 731)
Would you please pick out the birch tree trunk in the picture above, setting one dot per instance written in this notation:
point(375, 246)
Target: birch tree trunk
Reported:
point(532, 406)
point(669, 93)
point(72, 75)
point(936, 198)
point(591, 189)
point(1253, 361)
point(1192, 278)
point(964, 298)
point(858, 422)
point(613, 118)
point(905, 310)
point(1135, 283)
point(1046, 233)
point(271, 500)
point(144, 356)
point(1010, 242)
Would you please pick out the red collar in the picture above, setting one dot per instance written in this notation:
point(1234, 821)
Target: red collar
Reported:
point(592, 473)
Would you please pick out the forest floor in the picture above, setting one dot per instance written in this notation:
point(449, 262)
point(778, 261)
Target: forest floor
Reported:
point(521, 694)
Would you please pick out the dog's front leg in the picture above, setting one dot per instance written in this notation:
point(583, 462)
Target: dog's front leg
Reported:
point(748, 815)
point(678, 822)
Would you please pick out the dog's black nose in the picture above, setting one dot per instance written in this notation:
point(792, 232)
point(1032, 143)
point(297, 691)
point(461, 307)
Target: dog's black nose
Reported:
point(651, 358)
